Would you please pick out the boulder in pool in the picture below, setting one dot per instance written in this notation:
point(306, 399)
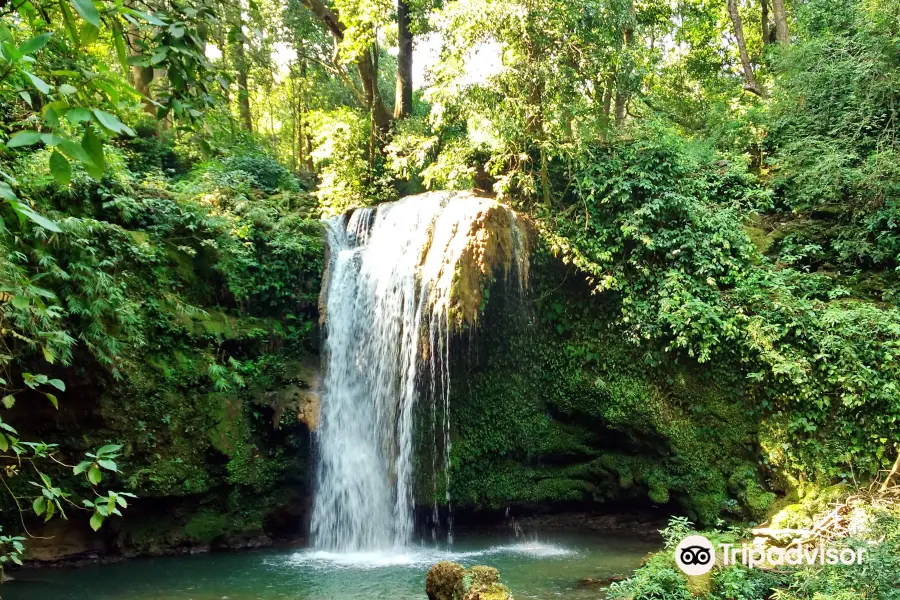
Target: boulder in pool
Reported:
point(450, 581)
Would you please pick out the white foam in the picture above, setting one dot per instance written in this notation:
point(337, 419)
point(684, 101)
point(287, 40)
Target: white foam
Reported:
point(537, 549)
point(419, 556)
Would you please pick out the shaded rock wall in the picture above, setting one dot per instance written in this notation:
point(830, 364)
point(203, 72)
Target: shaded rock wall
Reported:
point(550, 405)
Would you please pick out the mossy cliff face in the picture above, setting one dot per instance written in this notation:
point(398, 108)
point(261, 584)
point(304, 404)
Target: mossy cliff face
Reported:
point(496, 248)
point(211, 388)
point(550, 404)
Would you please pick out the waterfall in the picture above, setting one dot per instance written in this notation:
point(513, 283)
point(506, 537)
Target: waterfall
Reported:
point(400, 280)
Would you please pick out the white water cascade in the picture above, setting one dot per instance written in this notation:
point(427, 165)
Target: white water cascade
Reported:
point(392, 300)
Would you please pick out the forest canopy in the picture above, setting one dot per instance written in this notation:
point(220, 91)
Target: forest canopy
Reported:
point(724, 175)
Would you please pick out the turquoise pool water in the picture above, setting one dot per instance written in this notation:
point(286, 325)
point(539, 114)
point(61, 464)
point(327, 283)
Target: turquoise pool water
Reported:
point(545, 567)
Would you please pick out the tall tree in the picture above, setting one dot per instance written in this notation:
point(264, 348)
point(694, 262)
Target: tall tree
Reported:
point(750, 83)
point(766, 27)
point(404, 92)
point(366, 63)
point(242, 67)
point(781, 28)
point(622, 86)
point(141, 75)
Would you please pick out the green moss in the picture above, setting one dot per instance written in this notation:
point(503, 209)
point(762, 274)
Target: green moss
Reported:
point(442, 580)
point(206, 526)
point(564, 409)
point(793, 516)
point(449, 581)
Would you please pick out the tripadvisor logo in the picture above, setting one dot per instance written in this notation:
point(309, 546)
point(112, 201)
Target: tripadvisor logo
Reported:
point(696, 555)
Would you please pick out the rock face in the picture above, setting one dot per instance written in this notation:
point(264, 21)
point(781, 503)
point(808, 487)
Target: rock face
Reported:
point(302, 397)
point(450, 581)
point(64, 539)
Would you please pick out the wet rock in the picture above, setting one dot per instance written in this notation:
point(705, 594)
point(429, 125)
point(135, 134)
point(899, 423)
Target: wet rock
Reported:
point(308, 411)
point(600, 581)
point(450, 581)
point(301, 397)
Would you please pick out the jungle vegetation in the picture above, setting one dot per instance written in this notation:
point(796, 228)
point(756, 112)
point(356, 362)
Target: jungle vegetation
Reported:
point(720, 179)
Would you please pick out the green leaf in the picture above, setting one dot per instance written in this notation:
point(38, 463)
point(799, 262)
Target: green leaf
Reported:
point(148, 17)
point(89, 34)
point(23, 138)
point(159, 56)
point(69, 20)
point(39, 505)
point(81, 467)
point(34, 44)
point(60, 168)
point(109, 448)
point(20, 302)
point(52, 400)
point(6, 192)
point(88, 11)
point(48, 355)
point(109, 465)
point(4, 444)
point(58, 384)
point(15, 558)
point(67, 90)
point(78, 115)
point(97, 521)
point(39, 83)
point(26, 97)
point(27, 212)
point(93, 147)
point(75, 152)
point(94, 475)
point(51, 139)
point(112, 122)
point(119, 41)
point(9, 401)
point(121, 501)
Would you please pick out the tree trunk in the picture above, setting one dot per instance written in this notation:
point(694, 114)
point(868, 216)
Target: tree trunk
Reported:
point(781, 29)
point(298, 119)
point(141, 76)
point(894, 470)
point(750, 83)
point(304, 142)
point(607, 98)
point(625, 74)
point(365, 64)
point(243, 89)
point(404, 93)
point(766, 32)
point(621, 102)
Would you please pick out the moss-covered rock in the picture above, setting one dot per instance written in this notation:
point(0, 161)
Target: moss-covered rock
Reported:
point(442, 580)
point(792, 516)
point(450, 581)
point(551, 404)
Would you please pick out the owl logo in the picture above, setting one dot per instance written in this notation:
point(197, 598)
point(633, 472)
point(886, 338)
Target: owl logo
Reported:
point(695, 555)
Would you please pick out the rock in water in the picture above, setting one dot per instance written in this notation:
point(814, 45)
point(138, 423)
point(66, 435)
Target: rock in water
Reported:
point(450, 581)
point(442, 579)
